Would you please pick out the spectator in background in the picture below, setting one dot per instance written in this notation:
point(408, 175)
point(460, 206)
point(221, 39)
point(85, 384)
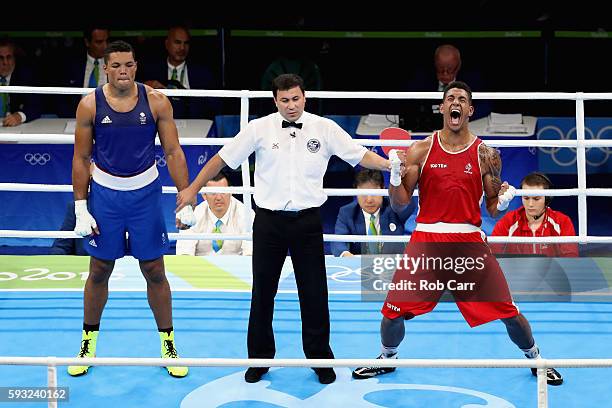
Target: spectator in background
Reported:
point(177, 72)
point(424, 115)
point(447, 62)
point(220, 213)
point(15, 108)
point(535, 219)
point(371, 215)
point(85, 71)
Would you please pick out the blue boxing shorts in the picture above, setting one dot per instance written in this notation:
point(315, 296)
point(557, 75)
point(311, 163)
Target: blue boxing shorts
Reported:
point(137, 212)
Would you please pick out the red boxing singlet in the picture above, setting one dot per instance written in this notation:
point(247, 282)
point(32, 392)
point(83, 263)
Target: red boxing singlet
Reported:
point(450, 185)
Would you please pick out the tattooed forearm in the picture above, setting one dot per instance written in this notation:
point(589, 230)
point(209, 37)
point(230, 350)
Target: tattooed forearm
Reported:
point(491, 166)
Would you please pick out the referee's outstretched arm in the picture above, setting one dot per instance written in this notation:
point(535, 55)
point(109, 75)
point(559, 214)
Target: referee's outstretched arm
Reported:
point(210, 170)
point(373, 161)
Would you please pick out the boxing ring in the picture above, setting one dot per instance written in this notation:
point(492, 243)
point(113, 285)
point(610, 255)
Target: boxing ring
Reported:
point(583, 334)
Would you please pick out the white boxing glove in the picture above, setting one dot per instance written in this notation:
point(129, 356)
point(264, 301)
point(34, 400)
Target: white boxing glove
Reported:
point(503, 201)
point(186, 216)
point(396, 178)
point(85, 223)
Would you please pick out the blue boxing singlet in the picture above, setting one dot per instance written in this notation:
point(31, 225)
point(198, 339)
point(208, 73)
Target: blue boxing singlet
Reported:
point(124, 141)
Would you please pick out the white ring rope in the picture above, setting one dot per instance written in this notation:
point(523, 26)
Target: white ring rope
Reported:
point(561, 96)
point(173, 236)
point(605, 192)
point(540, 364)
point(315, 362)
point(58, 138)
point(339, 192)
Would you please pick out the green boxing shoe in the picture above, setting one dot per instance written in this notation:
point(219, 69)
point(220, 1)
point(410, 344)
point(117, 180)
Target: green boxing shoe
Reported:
point(89, 341)
point(168, 350)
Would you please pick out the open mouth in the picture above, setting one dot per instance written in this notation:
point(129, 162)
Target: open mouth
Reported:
point(455, 115)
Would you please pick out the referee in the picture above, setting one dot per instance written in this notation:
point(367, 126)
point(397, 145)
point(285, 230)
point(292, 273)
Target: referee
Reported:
point(292, 148)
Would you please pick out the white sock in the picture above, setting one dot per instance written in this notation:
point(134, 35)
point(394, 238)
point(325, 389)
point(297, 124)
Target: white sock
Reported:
point(388, 352)
point(533, 352)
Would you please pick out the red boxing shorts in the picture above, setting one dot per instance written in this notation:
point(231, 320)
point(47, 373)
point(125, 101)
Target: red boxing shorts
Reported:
point(460, 263)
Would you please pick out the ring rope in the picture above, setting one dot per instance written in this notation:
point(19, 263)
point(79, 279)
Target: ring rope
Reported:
point(540, 364)
point(60, 138)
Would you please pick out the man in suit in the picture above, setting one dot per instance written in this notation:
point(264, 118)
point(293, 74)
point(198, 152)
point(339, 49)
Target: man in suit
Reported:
point(424, 115)
point(371, 215)
point(85, 72)
point(176, 72)
point(15, 108)
point(219, 213)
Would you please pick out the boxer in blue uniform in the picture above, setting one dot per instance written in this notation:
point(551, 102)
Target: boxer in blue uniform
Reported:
point(123, 117)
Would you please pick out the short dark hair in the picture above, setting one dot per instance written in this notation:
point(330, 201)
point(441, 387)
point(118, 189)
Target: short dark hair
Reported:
point(220, 176)
point(88, 31)
point(118, 46)
point(536, 179)
point(285, 82)
point(369, 175)
point(458, 85)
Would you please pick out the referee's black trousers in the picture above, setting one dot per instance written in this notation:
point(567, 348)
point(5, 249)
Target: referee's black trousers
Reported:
point(302, 234)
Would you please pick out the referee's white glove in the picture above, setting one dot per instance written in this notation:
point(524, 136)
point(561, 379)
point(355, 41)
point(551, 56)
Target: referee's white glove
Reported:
point(186, 216)
point(503, 200)
point(396, 163)
point(85, 224)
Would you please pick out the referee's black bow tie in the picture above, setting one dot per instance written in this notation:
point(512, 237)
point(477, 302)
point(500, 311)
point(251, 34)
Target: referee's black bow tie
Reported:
point(291, 124)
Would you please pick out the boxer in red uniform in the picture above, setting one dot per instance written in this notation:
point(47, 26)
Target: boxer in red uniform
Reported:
point(454, 170)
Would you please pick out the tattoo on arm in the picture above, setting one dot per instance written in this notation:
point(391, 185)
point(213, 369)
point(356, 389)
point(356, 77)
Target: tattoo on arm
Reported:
point(492, 165)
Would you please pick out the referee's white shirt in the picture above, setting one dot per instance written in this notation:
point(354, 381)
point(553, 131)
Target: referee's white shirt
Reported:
point(290, 162)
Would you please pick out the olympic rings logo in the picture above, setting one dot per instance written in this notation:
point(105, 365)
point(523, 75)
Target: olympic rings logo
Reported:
point(592, 157)
point(160, 160)
point(37, 158)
